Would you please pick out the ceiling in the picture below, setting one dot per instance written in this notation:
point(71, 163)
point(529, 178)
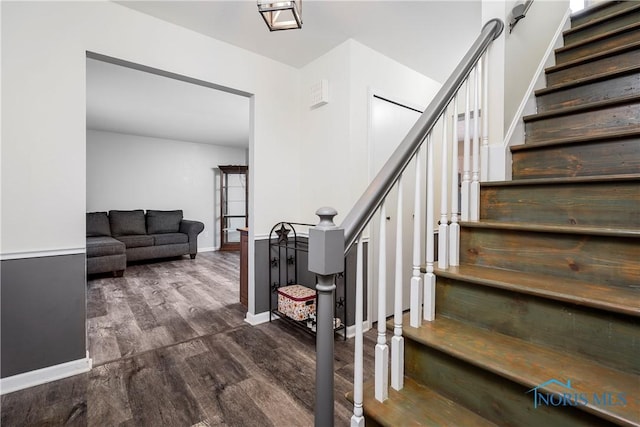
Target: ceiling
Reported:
point(129, 101)
point(427, 36)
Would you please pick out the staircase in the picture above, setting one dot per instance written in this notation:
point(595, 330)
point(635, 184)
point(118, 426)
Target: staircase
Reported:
point(539, 325)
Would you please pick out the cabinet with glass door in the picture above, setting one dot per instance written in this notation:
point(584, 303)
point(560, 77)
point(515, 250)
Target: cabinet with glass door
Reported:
point(233, 205)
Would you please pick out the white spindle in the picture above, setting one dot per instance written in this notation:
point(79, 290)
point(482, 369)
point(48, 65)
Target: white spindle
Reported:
point(474, 200)
point(443, 227)
point(415, 306)
point(357, 419)
point(454, 227)
point(397, 341)
point(429, 313)
point(382, 350)
point(484, 155)
point(466, 150)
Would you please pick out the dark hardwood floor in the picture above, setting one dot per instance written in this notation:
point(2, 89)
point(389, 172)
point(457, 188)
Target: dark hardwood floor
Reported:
point(170, 348)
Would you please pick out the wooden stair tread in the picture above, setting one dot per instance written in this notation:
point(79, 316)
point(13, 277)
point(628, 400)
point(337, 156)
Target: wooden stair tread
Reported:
point(587, 80)
point(592, 8)
point(619, 300)
point(531, 365)
point(567, 141)
point(417, 405)
point(597, 21)
point(598, 37)
point(553, 228)
point(593, 57)
point(563, 180)
point(587, 106)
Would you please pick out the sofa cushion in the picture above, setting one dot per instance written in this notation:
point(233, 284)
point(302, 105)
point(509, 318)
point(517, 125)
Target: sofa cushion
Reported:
point(98, 224)
point(163, 221)
point(136, 240)
point(170, 238)
point(104, 246)
point(126, 223)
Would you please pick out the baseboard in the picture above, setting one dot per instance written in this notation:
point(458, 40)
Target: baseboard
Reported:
point(260, 318)
point(208, 249)
point(45, 375)
point(41, 253)
point(351, 330)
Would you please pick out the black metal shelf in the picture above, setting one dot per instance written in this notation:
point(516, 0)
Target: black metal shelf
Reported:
point(284, 247)
point(303, 324)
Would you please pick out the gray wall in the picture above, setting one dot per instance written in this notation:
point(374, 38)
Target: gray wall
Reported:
point(42, 312)
point(263, 265)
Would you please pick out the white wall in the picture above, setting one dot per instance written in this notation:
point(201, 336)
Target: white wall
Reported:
point(134, 172)
point(336, 134)
point(44, 48)
point(525, 48)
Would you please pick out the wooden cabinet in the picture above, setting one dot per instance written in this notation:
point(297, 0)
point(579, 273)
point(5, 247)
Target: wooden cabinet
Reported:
point(244, 266)
point(234, 199)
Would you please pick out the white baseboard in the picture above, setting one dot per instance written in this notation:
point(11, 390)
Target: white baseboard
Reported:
point(257, 319)
point(351, 330)
point(208, 249)
point(41, 253)
point(45, 375)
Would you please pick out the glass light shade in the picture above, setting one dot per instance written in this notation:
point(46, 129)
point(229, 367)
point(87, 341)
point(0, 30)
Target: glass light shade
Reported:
point(281, 15)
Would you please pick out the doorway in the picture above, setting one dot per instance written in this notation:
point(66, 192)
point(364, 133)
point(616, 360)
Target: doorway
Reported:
point(390, 120)
point(150, 146)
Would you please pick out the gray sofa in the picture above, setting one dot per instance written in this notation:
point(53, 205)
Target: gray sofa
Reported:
point(115, 238)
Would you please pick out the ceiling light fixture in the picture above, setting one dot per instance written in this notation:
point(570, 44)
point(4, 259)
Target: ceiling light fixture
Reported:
point(281, 15)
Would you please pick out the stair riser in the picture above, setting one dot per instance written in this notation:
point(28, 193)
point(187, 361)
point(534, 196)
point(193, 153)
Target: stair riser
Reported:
point(493, 397)
point(603, 27)
point(578, 159)
point(605, 204)
point(604, 11)
point(595, 123)
point(610, 261)
point(607, 64)
point(618, 87)
point(598, 46)
point(595, 334)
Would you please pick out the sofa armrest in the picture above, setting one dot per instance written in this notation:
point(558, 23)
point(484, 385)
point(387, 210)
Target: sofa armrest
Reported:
point(192, 229)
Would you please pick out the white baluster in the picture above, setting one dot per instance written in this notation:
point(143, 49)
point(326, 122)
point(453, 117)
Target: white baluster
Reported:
point(397, 341)
point(454, 227)
point(466, 150)
point(357, 419)
point(443, 227)
point(474, 200)
point(429, 313)
point(382, 350)
point(415, 316)
point(484, 155)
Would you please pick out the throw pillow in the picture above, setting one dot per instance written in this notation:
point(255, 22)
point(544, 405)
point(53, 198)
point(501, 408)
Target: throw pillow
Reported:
point(159, 222)
point(98, 224)
point(125, 223)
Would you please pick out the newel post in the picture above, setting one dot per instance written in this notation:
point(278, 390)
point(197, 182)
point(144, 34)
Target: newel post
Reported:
point(326, 259)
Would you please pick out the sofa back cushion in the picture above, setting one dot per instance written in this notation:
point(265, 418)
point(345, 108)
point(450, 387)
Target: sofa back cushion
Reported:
point(124, 223)
point(159, 222)
point(98, 224)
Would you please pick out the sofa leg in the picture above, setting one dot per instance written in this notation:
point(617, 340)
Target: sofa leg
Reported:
point(193, 256)
point(118, 273)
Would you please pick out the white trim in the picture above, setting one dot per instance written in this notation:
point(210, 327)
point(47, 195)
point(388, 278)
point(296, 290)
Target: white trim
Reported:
point(549, 55)
point(42, 253)
point(209, 249)
point(260, 318)
point(351, 330)
point(45, 375)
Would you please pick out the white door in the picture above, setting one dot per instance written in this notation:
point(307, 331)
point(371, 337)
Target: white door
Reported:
point(390, 122)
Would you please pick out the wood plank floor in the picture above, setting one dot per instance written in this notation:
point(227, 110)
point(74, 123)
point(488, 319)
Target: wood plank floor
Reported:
point(170, 348)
